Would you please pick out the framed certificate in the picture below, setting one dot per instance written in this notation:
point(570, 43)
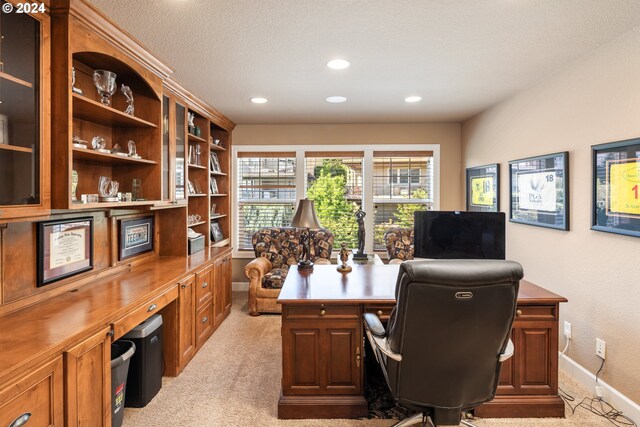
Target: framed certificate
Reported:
point(65, 248)
point(616, 187)
point(540, 191)
point(483, 188)
point(136, 237)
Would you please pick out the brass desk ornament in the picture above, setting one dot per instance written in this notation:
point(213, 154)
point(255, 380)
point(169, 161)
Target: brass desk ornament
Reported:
point(344, 256)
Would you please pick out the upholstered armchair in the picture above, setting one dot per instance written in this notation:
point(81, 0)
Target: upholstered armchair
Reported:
point(399, 244)
point(276, 249)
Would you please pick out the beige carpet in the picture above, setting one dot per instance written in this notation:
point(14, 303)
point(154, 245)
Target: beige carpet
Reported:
point(234, 380)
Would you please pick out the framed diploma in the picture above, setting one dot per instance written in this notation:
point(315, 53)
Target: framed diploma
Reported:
point(136, 237)
point(616, 187)
point(65, 248)
point(540, 191)
point(483, 188)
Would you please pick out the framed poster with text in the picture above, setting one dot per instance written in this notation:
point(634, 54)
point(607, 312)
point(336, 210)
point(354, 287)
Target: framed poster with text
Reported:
point(539, 191)
point(65, 248)
point(616, 187)
point(483, 188)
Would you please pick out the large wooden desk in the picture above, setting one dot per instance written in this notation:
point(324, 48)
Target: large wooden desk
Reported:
point(322, 345)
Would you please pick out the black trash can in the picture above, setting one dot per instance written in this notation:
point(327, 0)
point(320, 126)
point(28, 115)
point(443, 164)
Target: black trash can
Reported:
point(121, 352)
point(145, 371)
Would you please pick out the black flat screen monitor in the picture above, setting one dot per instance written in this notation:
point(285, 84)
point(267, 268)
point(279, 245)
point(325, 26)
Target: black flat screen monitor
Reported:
point(459, 235)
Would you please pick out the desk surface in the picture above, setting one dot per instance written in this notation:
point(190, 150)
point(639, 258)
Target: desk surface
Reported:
point(370, 283)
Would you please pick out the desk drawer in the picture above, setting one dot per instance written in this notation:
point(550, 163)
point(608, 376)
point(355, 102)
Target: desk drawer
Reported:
point(136, 317)
point(204, 324)
point(204, 286)
point(382, 311)
point(535, 312)
point(323, 311)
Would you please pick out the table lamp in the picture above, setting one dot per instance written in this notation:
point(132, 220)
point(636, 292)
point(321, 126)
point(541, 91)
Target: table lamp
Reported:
point(305, 217)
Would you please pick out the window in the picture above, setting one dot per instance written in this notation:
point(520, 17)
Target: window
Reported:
point(266, 192)
point(388, 185)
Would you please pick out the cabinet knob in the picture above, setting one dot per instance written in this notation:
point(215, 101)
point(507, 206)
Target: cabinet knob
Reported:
point(379, 313)
point(518, 313)
point(204, 285)
point(323, 312)
point(184, 286)
point(152, 307)
point(21, 420)
point(204, 319)
point(110, 333)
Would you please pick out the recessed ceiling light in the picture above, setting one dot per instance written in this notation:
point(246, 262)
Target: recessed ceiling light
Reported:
point(413, 99)
point(259, 100)
point(338, 64)
point(336, 99)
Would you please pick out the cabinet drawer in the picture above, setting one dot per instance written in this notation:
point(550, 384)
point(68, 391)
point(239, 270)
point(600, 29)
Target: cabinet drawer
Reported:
point(204, 324)
point(136, 317)
point(36, 398)
point(323, 311)
point(533, 312)
point(204, 286)
point(382, 311)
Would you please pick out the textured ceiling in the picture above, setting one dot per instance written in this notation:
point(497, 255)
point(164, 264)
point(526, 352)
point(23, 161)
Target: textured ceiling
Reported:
point(461, 56)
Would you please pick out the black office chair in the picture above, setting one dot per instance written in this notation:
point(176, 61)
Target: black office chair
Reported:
point(447, 336)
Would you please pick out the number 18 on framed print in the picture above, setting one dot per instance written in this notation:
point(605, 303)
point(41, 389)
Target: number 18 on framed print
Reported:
point(540, 191)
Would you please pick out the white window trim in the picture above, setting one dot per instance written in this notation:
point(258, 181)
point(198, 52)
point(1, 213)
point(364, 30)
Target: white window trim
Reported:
point(367, 176)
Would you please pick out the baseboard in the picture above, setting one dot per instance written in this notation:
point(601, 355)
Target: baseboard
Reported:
point(240, 286)
point(610, 394)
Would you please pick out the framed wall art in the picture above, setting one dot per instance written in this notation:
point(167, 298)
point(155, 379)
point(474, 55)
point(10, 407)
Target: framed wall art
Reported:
point(483, 188)
point(539, 191)
point(136, 237)
point(65, 248)
point(616, 187)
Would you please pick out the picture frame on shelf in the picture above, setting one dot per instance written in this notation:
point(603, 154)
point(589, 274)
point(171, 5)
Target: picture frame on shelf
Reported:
point(483, 188)
point(64, 249)
point(190, 188)
point(616, 187)
point(213, 209)
point(196, 186)
point(135, 237)
point(539, 191)
point(216, 232)
point(213, 186)
point(214, 163)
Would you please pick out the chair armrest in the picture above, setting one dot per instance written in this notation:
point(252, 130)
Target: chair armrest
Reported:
point(322, 261)
point(395, 261)
point(508, 352)
point(257, 268)
point(377, 339)
point(372, 322)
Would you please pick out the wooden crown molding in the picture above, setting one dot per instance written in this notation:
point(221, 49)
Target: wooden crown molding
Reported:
point(101, 25)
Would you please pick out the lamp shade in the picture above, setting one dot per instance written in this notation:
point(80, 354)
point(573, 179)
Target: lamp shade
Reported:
point(305, 216)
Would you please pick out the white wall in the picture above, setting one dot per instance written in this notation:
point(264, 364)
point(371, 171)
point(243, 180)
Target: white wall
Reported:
point(593, 101)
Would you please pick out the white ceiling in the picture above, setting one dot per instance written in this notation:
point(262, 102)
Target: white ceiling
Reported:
point(461, 56)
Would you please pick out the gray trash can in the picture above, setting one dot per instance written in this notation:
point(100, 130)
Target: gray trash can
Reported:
point(145, 371)
point(121, 352)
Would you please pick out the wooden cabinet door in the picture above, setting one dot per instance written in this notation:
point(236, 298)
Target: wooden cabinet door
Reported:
point(36, 398)
point(323, 357)
point(186, 314)
point(226, 280)
point(88, 382)
point(218, 292)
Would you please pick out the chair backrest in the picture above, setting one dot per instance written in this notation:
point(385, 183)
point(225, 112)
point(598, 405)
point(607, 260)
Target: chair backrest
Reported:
point(399, 243)
point(452, 320)
point(283, 245)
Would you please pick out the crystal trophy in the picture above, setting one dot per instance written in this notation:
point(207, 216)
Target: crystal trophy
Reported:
point(136, 189)
point(98, 144)
point(133, 151)
point(190, 125)
point(117, 149)
point(73, 82)
point(105, 82)
point(126, 91)
point(79, 143)
point(108, 189)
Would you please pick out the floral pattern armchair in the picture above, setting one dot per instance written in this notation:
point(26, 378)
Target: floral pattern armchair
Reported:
point(277, 248)
point(399, 244)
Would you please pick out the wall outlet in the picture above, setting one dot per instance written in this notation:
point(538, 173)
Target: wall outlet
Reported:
point(567, 330)
point(601, 348)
